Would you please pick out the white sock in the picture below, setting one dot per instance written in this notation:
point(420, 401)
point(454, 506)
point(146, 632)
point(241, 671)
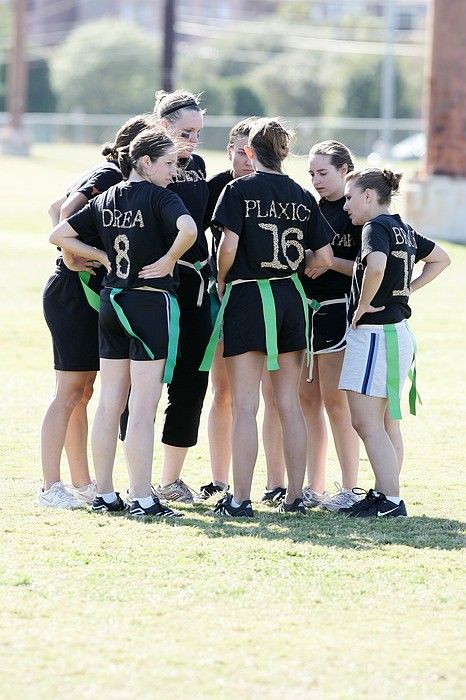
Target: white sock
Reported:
point(234, 503)
point(108, 497)
point(145, 502)
point(394, 499)
point(376, 493)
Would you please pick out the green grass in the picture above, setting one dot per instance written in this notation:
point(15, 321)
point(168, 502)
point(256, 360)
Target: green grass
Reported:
point(320, 607)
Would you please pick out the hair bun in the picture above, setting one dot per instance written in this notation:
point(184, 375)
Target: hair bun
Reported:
point(392, 178)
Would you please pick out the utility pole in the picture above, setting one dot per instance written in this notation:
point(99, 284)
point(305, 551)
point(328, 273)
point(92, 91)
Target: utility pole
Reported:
point(387, 106)
point(435, 201)
point(168, 44)
point(15, 140)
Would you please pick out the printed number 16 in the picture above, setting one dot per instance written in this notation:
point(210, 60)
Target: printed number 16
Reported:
point(285, 245)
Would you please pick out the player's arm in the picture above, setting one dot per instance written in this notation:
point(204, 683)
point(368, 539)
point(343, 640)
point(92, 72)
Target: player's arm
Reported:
point(338, 265)
point(376, 263)
point(187, 234)
point(320, 258)
point(65, 237)
point(69, 206)
point(434, 264)
point(54, 210)
point(226, 256)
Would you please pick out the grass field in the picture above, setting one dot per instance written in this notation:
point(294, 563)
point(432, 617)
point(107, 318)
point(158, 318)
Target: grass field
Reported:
point(320, 607)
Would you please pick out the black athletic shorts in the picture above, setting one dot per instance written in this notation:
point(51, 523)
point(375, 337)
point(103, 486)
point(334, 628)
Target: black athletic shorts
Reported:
point(148, 314)
point(328, 326)
point(71, 321)
point(243, 322)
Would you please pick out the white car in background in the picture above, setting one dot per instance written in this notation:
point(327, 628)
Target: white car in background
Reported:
point(412, 147)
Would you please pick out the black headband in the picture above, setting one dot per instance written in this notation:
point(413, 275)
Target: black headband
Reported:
point(191, 103)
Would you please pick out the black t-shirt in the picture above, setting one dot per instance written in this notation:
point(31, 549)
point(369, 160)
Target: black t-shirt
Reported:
point(276, 221)
point(97, 180)
point(346, 243)
point(135, 223)
point(191, 186)
point(403, 247)
point(92, 183)
point(216, 185)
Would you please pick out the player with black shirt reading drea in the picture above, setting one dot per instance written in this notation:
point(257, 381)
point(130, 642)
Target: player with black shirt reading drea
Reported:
point(268, 222)
point(137, 222)
point(73, 322)
point(380, 347)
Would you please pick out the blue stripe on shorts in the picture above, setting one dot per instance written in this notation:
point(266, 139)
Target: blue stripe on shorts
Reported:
point(370, 365)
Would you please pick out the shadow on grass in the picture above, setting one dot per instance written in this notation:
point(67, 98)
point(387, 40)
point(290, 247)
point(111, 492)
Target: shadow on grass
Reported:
point(331, 530)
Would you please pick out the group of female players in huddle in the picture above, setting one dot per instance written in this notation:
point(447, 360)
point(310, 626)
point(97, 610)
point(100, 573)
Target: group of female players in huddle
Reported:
point(307, 300)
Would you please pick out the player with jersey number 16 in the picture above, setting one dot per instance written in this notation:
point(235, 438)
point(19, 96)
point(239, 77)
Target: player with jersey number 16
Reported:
point(380, 347)
point(268, 223)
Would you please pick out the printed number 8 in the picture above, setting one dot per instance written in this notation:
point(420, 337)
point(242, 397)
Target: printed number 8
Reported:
point(121, 246)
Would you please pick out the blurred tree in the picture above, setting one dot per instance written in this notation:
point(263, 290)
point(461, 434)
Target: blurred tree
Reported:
point(287, 85)
point(106, 67)
point(244, 100)
point(40, 97)
point(360, 88)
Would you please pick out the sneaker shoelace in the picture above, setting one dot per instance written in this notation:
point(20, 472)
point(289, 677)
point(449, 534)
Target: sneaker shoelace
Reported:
point(187, 490)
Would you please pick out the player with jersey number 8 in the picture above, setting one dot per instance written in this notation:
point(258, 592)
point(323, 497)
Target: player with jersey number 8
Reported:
point(380, 347)
point(268, 222)
point(136, 222)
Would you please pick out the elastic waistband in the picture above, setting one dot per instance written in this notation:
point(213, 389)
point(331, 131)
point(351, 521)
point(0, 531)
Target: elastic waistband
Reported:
point(381, 327)
point(267, 279)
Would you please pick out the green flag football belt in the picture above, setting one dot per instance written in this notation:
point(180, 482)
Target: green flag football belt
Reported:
point(197, 267)
point(270, 321)
point(173, 329)
point(393, 373)
point(93, 299)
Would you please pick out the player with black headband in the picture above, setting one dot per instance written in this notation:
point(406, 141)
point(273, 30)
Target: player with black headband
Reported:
point(220, 418)
point(380, 347)
point(180, 113)
point(328, 295)
point(73, 323)
point(137, 222)
point(269, 222)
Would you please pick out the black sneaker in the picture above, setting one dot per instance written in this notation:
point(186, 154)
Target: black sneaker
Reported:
point(156, 510)
point(224, 507)
point(363, 503)
point(373, 506)
point(209, 490)
point(116, 506)
point(273, 496)
point(296, 507)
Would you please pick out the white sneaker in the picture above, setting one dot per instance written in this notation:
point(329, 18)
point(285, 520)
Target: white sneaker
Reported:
point(344, 498)
point(57, 496)
point(312, 499)
point(84, 493)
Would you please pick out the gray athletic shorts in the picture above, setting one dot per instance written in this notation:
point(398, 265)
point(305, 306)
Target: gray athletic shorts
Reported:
point(365, 363)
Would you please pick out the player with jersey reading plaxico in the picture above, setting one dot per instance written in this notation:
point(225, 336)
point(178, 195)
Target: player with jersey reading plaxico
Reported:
point(137, 222)
point(220, 418)
point(268, 223)
point(328, 295)
point(73, 323)
point(380, 348)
